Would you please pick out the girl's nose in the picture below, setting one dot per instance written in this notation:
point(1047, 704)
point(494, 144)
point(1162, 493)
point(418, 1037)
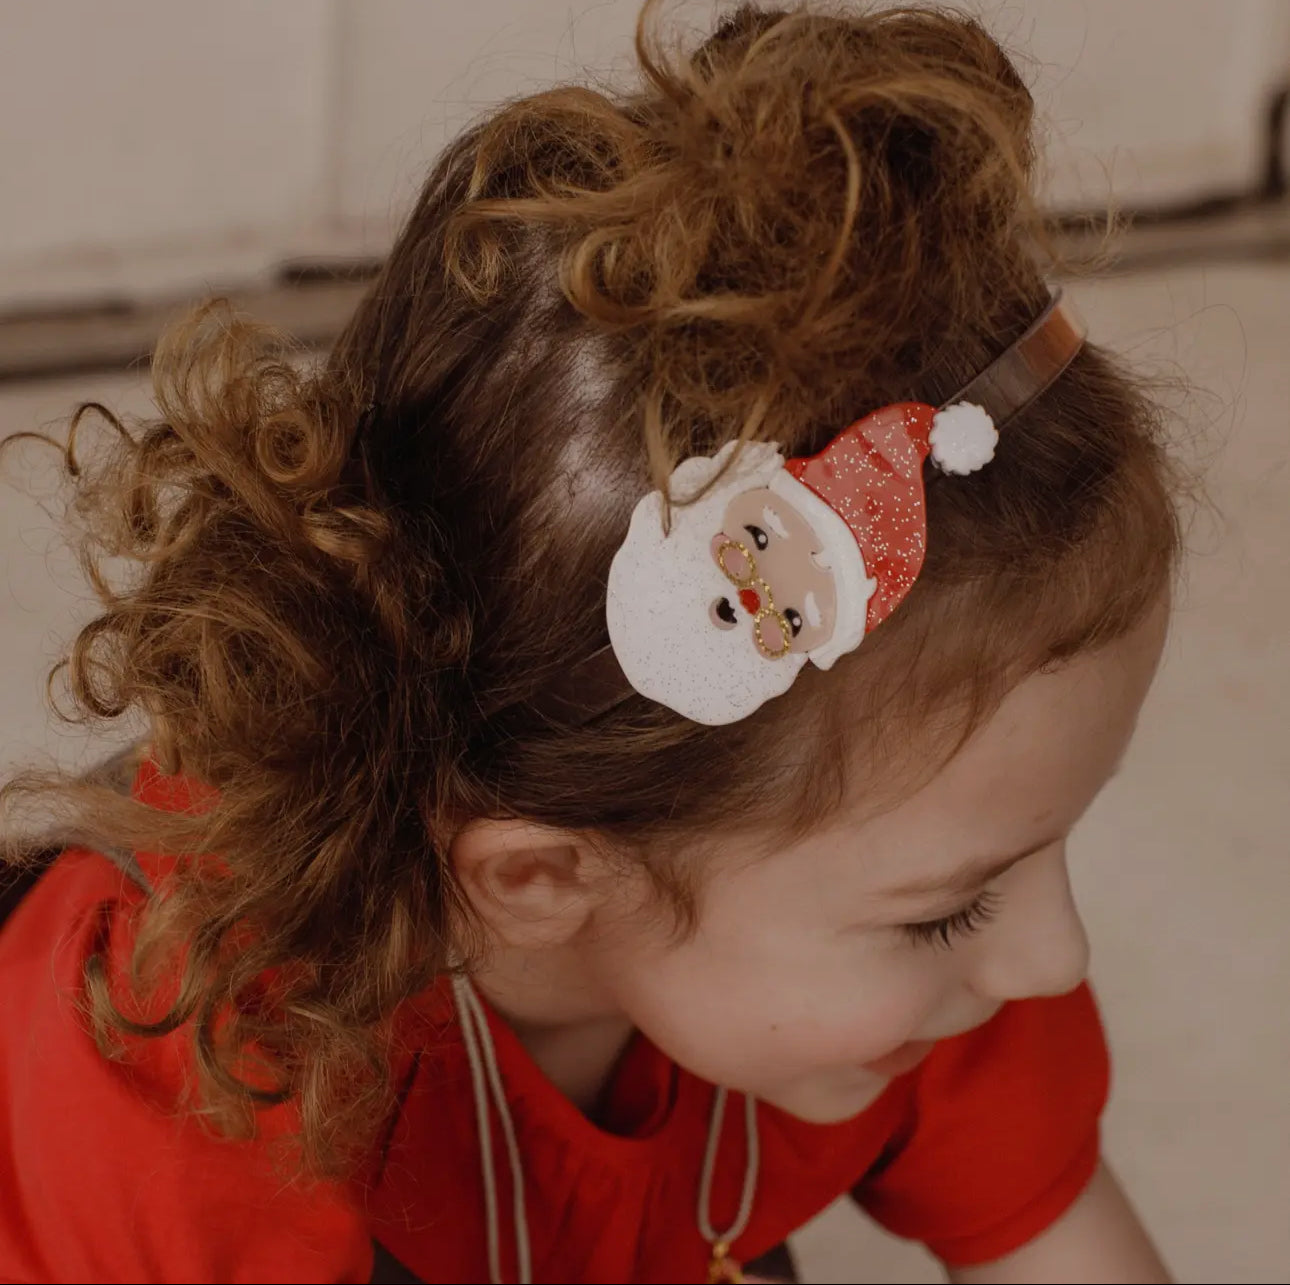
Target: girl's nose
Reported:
point(1038, 945)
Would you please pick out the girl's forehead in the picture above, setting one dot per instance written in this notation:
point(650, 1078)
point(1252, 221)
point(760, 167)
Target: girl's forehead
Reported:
point(1024, 778)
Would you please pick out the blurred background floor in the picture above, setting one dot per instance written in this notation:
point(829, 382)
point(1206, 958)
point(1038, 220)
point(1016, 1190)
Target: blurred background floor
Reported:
point(1182, 868)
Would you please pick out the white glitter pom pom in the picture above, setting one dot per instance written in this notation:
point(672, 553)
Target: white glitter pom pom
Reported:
point(963, 438)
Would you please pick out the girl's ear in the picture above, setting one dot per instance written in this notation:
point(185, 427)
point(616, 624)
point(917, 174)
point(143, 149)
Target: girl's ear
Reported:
point(531, 887)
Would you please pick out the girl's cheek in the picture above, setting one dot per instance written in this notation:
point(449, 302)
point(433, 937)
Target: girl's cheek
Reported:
point(896, 999)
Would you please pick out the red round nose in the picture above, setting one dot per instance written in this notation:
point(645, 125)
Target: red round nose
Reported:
point(750, 601)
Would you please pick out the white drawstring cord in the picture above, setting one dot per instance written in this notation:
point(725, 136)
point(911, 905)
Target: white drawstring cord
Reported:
point(486, 1081)
point(721, 1241)
point(482, 1056)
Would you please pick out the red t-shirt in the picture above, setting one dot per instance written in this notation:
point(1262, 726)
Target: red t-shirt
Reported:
point(103, 1177)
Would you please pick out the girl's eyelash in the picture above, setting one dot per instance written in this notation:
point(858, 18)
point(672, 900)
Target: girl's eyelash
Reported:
point(962, 923)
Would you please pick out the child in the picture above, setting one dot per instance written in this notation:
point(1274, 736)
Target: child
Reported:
point(611, 677)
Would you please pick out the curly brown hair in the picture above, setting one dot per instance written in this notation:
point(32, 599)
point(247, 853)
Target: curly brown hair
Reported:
point(352, 582)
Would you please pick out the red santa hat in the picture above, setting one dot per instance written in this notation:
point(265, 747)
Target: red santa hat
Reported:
point(863, 496)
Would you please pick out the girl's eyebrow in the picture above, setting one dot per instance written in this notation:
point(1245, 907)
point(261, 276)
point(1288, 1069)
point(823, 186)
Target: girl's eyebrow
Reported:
point(970, 876)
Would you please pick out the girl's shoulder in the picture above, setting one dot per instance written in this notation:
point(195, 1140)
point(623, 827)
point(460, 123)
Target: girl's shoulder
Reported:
point(104, 1173)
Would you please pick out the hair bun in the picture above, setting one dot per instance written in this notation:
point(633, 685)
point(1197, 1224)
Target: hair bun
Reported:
point(803, 197)
point(807, 200)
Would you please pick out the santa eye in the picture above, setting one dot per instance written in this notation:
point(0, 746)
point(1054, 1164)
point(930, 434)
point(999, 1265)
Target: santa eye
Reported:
point(794, 620)
point(759, 537)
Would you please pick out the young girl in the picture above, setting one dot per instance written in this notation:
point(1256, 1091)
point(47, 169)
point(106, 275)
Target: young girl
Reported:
point(614, 729)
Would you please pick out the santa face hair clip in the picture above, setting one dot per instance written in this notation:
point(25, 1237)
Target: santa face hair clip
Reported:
point(781, 561)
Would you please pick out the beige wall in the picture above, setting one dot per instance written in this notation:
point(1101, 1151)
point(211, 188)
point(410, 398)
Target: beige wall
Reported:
point(155, 145)
point(138, 136)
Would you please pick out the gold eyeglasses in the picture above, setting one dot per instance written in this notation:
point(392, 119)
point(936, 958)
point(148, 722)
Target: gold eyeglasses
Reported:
point(759, 602)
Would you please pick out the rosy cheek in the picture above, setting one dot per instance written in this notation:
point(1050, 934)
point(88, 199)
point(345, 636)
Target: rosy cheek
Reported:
point(730, 558)
point(771, 636)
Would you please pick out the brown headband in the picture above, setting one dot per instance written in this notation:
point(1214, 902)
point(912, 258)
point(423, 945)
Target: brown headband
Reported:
point(1028, 366)
point(1023, 372)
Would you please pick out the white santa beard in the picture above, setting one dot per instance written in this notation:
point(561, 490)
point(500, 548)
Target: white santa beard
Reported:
point(661, 590)
point(852, 584)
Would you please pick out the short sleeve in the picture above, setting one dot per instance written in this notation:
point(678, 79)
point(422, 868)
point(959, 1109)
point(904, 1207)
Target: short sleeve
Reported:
point(1003, 1134)
point(103, 1177)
